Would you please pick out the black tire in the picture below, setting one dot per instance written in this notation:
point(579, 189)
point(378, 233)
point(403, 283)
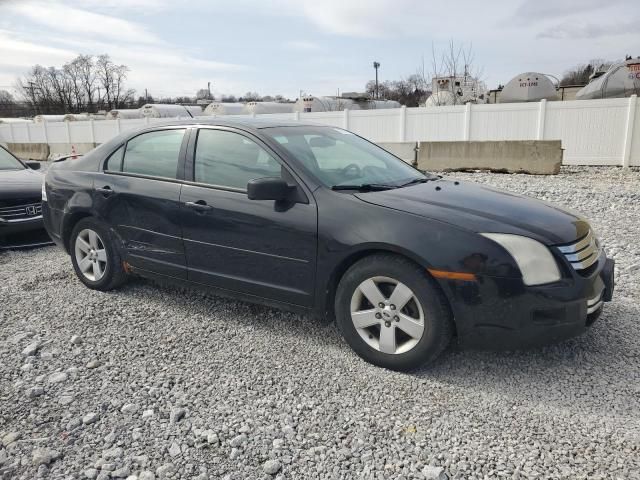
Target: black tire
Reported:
point(114, 274)
point(438, 324)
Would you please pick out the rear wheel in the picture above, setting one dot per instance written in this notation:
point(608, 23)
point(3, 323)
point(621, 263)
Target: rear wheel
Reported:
point(95, 258)
point(392, 313)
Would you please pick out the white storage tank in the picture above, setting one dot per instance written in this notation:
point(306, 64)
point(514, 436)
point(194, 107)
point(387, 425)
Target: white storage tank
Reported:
point(528, 87)
point(159, 110)
point(225, 108)
point(76, 117)
point(620, 80)
point(441, 99)
point(48, 118)
point(15, 120)
point(324, 104)
point(124, 113)
point(269, 107)
point(194, 110)
point(378, 104)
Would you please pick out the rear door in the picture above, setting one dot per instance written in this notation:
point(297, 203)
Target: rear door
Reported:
point(258, 247)
point(138, 195)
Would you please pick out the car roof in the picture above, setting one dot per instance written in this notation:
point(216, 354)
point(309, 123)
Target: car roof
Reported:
point(245, 122)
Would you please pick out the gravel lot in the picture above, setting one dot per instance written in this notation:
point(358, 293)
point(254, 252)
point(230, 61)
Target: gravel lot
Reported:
point(155, 382)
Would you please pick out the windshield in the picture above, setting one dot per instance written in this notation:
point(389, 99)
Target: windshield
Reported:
point(8, 161)
point(338, 158)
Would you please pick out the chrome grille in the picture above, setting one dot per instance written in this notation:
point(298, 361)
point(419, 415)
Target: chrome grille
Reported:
point(20, 212)
point(583, 253)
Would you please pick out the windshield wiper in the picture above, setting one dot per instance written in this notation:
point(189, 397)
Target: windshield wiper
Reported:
point(364, 187)
point(416, 180)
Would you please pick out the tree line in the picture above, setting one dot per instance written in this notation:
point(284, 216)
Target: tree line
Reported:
point(87, 83)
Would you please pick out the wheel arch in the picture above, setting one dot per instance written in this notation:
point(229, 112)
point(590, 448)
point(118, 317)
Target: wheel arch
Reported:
point(341, 268)
point(69, 224)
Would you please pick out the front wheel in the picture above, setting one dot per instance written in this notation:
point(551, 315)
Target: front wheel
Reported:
point(94, 255)
point(392, 313)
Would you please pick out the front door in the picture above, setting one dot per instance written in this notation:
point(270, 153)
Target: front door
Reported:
point(260, 248)
point(138, 195)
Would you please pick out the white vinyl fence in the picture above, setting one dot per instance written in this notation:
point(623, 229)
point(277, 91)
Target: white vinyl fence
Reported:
point(593, 132)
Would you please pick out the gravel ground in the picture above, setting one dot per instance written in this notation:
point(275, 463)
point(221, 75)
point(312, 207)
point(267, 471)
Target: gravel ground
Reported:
point(155, 382)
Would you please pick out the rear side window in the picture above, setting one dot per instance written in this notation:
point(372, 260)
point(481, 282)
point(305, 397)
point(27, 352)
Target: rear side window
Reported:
point(114, 162)
point(154, 153)
point(229, 159)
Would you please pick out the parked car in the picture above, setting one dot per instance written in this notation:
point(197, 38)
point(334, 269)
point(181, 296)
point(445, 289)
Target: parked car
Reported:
point(20, 203)
point(319, 220)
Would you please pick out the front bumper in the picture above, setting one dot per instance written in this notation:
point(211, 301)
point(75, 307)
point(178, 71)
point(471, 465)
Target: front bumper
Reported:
point(504, 314)
point(23, 233)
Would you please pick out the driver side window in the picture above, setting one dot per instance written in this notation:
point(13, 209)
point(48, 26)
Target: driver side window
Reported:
point(228, 159)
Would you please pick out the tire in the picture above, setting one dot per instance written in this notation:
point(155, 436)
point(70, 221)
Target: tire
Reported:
point(89, 235)
point(387, 343)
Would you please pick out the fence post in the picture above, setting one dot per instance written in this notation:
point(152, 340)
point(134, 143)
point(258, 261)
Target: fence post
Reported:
point(28, 133)
point(403, 123)
point(345, 120)
point(542, 116)
point(13, 138)
point(628, 137)
point(68, 132)
point(118, 126)
point(93, 132)
point(467, 122)
point(45, 130)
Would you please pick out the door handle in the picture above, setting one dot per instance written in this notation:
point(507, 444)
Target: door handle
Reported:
point(106, 190)
point(200, 205)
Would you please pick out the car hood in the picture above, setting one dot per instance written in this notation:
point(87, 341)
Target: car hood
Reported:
point(483, 209)
point(17, 184)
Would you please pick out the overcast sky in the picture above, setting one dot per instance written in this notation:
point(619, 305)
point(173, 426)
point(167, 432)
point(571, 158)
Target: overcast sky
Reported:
point(318, 46)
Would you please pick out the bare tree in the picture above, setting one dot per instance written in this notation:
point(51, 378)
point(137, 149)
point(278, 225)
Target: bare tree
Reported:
point(581, 74)
point(453, 70)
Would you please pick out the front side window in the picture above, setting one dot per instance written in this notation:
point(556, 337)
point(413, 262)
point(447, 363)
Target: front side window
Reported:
point(8, 161)
point(339, 158)
point(228, 159)
point(154, 153)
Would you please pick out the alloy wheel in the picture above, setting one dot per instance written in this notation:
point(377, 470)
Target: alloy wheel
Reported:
point(387, 315)
point(91, 255)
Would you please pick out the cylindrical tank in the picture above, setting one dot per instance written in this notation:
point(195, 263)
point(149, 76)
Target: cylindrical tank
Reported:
point(269, 107)
point(194, 110)
point(225, 108)
point(159, 110)
point(15, 120)
point(48, 118)
point(621, 80)
point(76, 117)
point(528, 87)
point(441, 99)
point(378, 104)
point(324, 104)
point(124, 113)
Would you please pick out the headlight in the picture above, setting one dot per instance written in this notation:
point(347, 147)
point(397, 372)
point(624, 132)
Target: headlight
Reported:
point(535, 261)
point(44, 191)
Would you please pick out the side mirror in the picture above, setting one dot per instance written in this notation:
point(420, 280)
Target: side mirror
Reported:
point(33, 165)
point(268, 188)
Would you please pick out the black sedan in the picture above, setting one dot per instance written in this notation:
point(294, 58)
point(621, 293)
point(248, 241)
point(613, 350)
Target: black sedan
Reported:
point(319, 220)
point(20, 203)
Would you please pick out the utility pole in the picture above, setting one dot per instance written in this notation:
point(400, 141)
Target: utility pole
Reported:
point(209, 90)
point(376, 65)
point(146, 96)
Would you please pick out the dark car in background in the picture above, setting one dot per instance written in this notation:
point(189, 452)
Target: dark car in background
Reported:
point(20, 203)
point(319, 220)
